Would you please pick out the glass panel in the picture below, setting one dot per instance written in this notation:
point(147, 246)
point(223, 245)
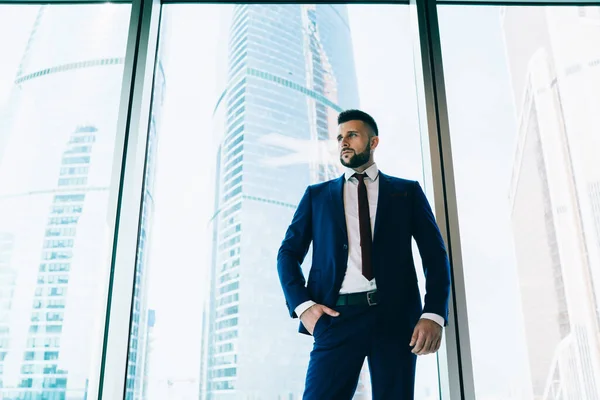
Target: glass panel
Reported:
point(524, 96)
point(60, 85)
point(242, 124)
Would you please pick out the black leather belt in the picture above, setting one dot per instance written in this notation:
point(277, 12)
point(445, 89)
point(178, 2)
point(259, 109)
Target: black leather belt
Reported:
point(358, 299)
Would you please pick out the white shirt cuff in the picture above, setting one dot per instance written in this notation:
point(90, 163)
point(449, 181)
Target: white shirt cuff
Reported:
point(303, 307)
point(435, 318)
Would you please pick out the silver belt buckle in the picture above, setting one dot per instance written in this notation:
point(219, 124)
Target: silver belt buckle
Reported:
point(370, 299)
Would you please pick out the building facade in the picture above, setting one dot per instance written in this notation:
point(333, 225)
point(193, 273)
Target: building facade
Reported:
point(556, 85)
point(290, 72)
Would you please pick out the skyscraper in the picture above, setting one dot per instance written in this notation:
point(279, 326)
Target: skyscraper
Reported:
point(56, 170)
point(556, 84)
point(290, 72)
point(151, 321)
point(7, 290)
point(41, 368)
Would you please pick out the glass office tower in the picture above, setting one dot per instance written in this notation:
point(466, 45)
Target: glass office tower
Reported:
point(290, 72)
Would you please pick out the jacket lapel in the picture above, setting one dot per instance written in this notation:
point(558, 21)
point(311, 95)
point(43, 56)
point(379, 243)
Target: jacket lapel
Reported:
point(336, 191)
point(383, 203)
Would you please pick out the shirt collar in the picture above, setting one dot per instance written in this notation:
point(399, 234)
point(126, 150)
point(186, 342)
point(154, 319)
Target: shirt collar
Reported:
point(372, 172)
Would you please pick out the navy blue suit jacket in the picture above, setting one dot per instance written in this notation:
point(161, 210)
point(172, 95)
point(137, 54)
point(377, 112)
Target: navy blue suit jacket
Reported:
point(403, 213)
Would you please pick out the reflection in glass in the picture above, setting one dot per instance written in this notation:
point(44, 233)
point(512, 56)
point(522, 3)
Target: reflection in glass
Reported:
point(528, 189)
point(58, 128)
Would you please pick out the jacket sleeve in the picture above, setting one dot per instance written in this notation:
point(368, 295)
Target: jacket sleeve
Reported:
point(291, 255)
point(433, 255)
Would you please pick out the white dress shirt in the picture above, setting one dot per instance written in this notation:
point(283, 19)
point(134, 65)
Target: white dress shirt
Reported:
point(354, 281)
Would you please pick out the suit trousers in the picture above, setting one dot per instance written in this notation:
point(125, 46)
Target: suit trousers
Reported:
point(341, 345)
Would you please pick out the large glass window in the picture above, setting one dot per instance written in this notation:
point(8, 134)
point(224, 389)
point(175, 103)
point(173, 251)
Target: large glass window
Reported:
point(60, 85)
point(244, 118)
point(523, 88)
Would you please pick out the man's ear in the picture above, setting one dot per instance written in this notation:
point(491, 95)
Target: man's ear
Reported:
point(374, 142)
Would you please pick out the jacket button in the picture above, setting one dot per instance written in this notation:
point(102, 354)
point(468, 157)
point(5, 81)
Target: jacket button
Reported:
point(345, 247)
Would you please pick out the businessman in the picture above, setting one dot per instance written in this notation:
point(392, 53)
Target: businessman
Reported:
point(362, 298)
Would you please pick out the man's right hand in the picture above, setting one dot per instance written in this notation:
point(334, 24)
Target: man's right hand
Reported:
point(310, 317)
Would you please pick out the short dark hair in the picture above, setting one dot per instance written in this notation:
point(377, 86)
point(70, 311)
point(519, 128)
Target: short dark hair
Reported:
point(357, 115)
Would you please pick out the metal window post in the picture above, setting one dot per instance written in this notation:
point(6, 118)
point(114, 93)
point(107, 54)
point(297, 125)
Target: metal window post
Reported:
point(128, 170)
point(456, 382)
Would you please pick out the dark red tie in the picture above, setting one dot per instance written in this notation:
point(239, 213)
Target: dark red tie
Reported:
point(364, 217)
